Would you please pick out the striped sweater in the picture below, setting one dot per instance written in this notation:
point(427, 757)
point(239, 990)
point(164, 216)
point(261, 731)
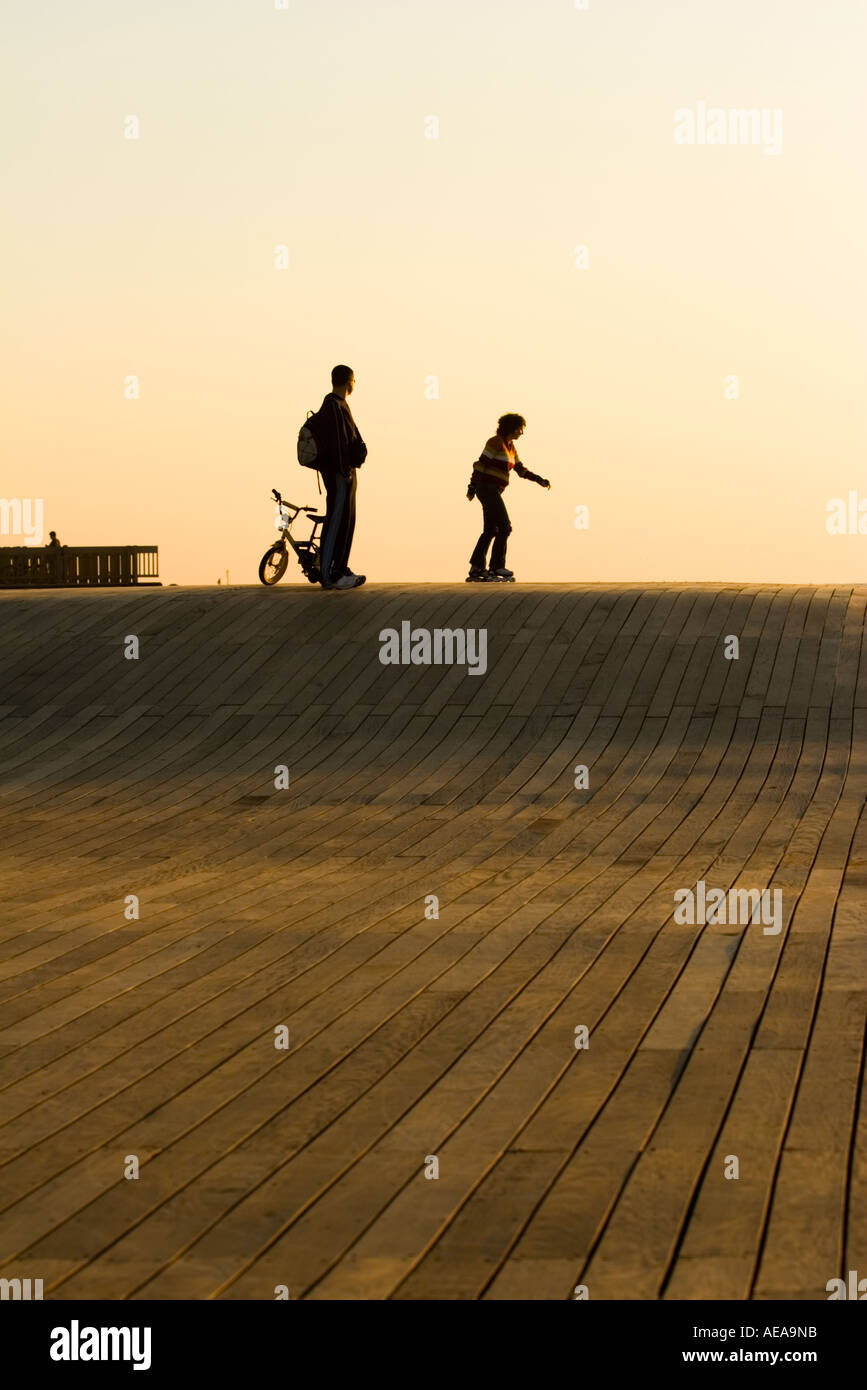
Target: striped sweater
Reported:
point(495, 463)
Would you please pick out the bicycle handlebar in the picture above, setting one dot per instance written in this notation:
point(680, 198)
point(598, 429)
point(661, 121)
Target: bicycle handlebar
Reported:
point(292, 506)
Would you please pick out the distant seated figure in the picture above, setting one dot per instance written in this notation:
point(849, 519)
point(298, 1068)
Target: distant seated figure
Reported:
point(52, 540)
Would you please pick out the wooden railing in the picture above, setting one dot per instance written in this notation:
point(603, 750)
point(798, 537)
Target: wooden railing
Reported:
point(72, 566)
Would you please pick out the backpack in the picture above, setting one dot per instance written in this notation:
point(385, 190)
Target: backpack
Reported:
point(309, 446)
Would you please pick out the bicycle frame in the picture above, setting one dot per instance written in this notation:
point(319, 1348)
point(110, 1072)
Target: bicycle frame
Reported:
point(307, 552)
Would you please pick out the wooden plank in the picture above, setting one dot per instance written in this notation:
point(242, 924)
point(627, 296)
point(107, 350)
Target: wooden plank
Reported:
point(414, 1034)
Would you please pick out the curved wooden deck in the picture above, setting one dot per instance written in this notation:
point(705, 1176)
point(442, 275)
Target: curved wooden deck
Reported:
point(413, 1036)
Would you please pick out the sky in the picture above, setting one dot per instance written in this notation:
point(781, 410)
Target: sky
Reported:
point(693, 377)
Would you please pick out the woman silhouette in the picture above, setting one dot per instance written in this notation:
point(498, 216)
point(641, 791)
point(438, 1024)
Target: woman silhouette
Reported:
point(489, 481)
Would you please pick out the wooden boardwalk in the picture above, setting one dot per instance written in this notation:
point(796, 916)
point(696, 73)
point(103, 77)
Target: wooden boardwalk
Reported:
point(414, 1036)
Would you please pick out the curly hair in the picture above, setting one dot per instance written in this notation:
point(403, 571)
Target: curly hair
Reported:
point(507, 423)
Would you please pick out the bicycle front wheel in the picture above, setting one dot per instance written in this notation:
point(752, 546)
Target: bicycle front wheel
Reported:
point(272, 566)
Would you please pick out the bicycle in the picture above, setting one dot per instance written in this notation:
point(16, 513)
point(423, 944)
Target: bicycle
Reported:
point(273, 564)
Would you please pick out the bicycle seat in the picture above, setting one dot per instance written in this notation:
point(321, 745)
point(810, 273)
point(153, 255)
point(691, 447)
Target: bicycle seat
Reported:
point(315, 518)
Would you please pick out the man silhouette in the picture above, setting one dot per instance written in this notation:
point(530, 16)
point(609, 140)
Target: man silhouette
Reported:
point(343, 452)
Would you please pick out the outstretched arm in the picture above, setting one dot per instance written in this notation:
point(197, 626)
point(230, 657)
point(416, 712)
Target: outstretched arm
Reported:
point(523, 472)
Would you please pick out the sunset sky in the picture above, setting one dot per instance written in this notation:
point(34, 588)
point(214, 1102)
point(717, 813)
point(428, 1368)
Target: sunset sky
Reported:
point(412, 258)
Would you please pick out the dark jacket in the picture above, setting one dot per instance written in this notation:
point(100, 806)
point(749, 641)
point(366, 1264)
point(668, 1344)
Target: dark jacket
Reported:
point(343, 446)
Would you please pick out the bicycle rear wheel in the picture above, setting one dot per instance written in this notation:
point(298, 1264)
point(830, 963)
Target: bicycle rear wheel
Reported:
point(272, 566)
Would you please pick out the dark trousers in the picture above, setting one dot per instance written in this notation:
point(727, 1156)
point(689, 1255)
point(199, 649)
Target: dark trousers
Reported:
point(497, 528)
point(339, 525)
